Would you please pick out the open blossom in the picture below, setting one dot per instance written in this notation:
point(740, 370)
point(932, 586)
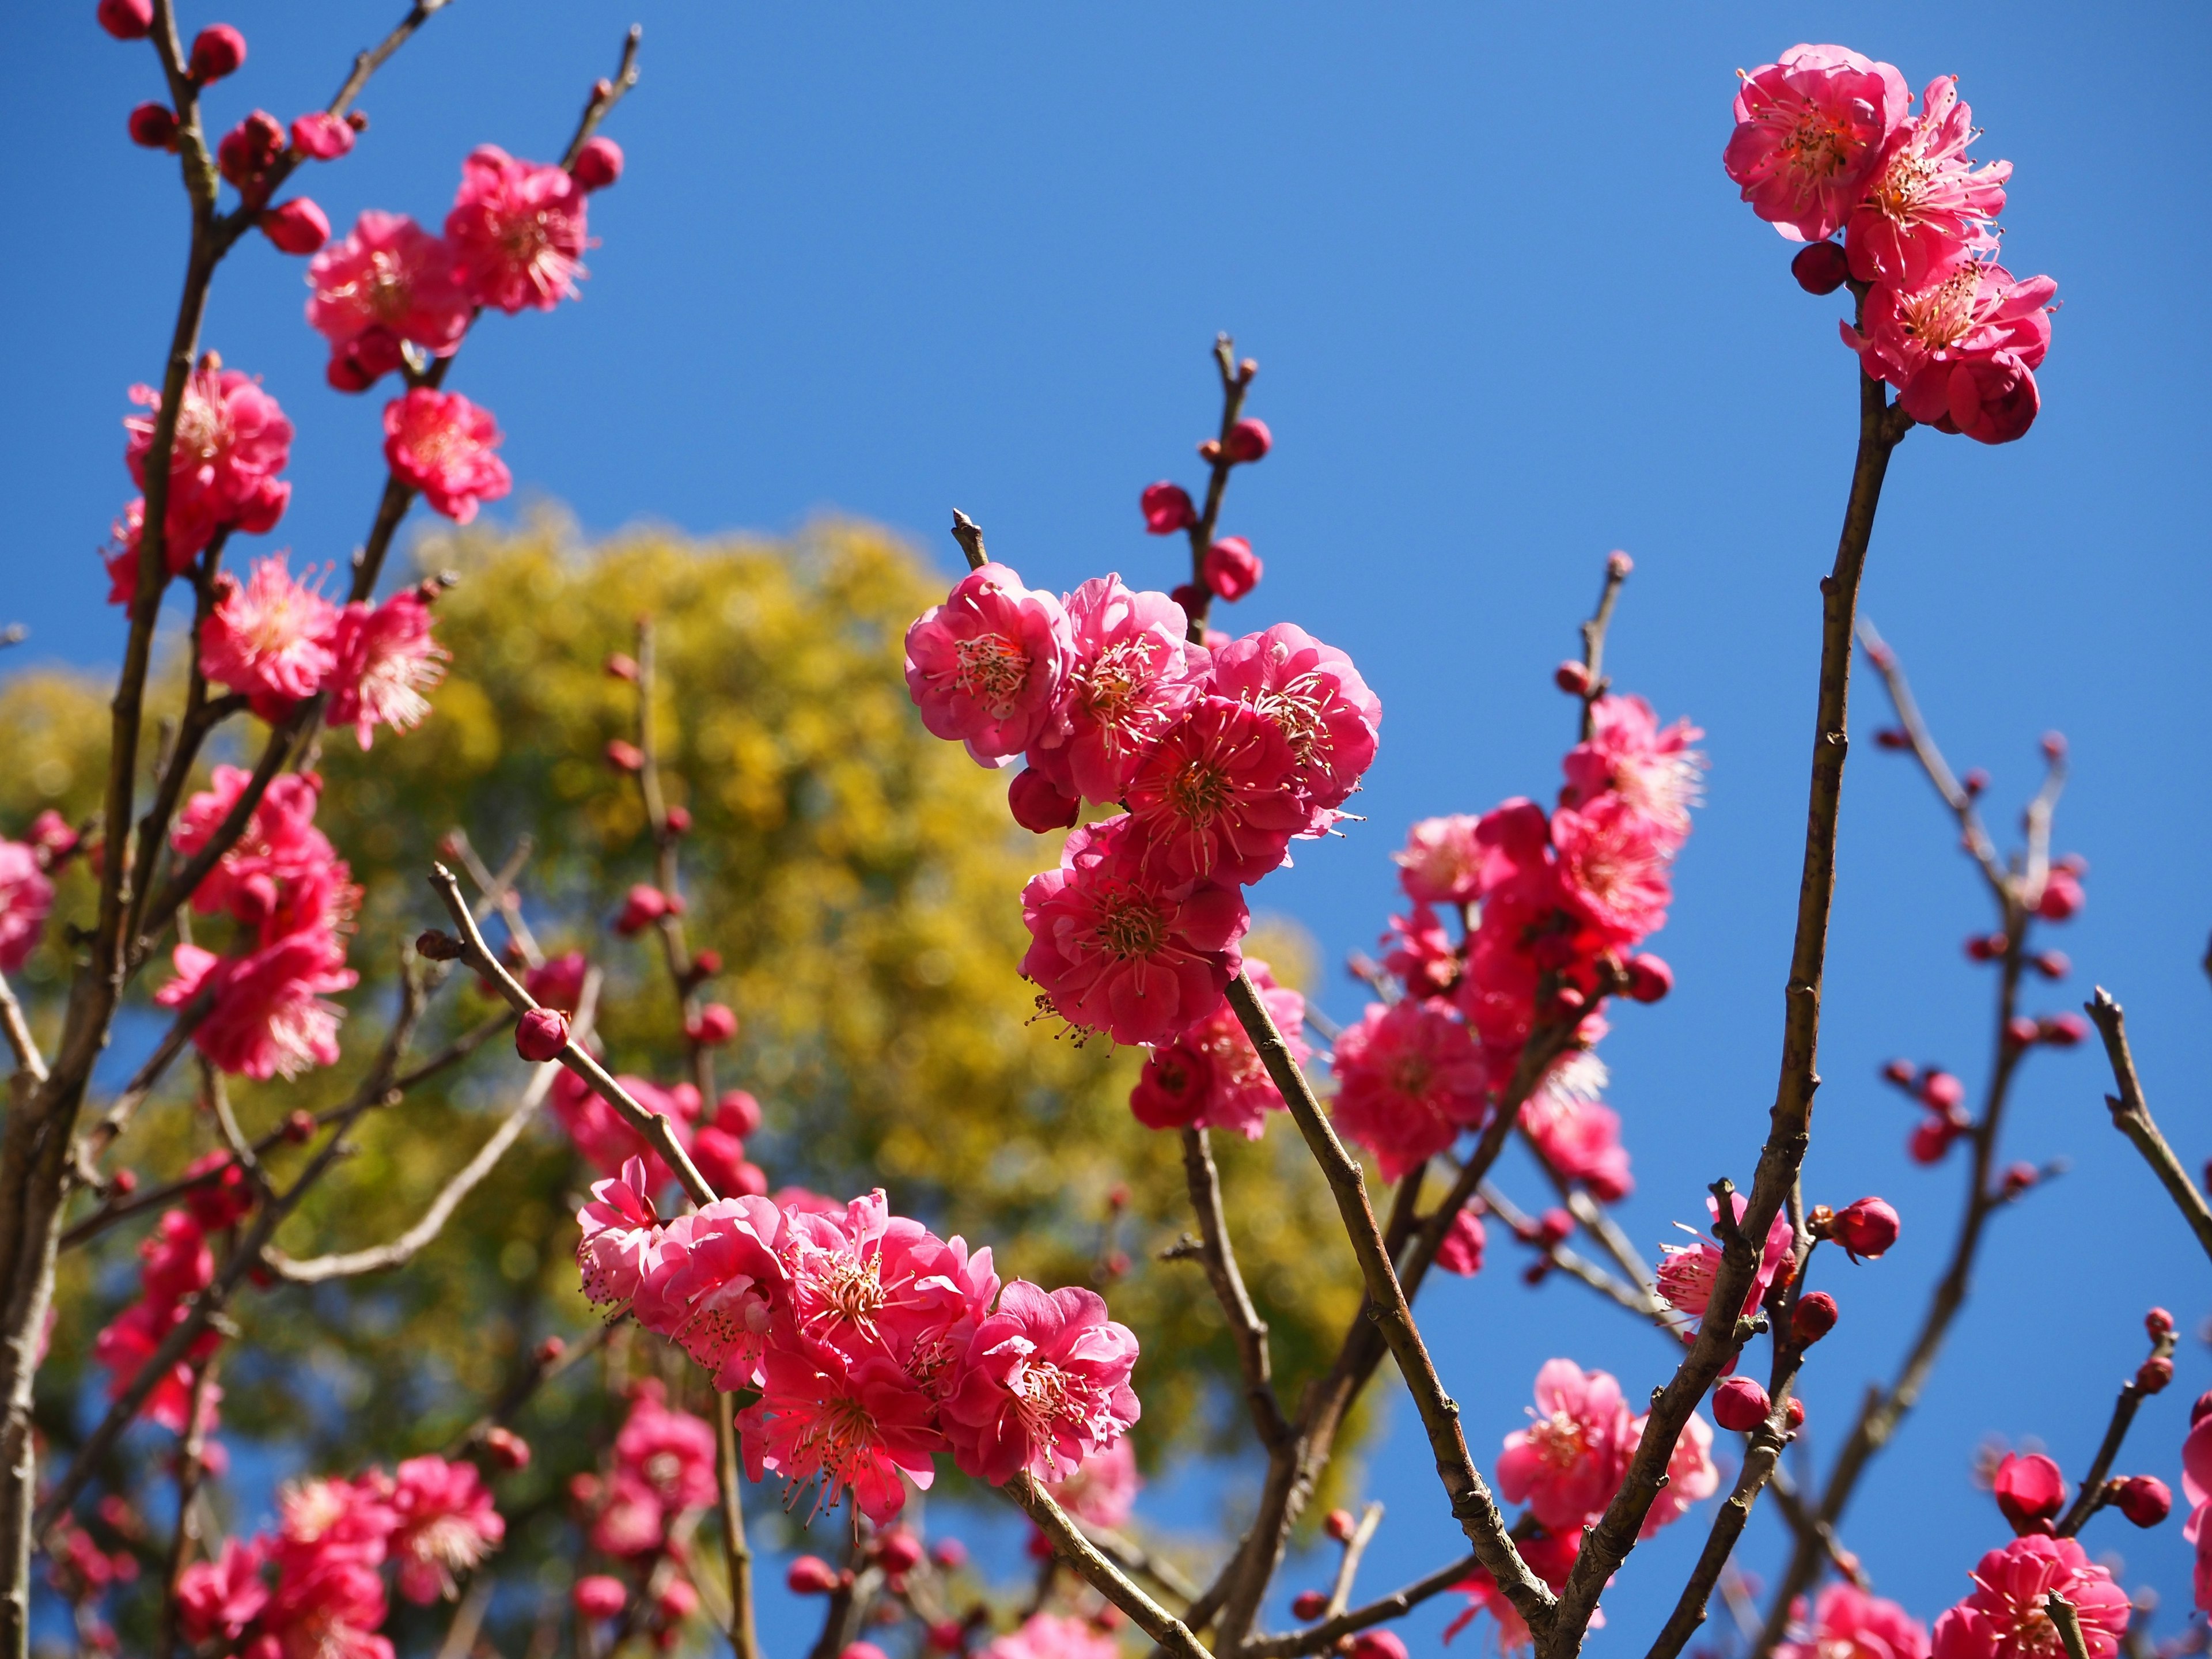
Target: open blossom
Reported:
point(2006, 1618)
point(1315, 696)
point(620, 1240)
point(389, 274)
point(669, 1451)
point(1566, 1464)
point(1613, 868)
point(1551, 1556)
point(1579, 1135)
point(1212, 1076)
point(1962, 351)
point(1409, 1079)
point(232, 441)
point(446, 1525)
point(217, 1600)
point(1686, 1273)
point(1652, 767)
point(1214, 799)
point(1691, 1476)
point(987, 668)
point(1053, 1636)
point(517, 231)
point(860, 1426)
point(443, 444)
point(605, 1139)
point(1421, 955)
point(711, 1283)
point(268, 1016)
point(279, 846)
point(865, 1281)
point(1102, 1492)
point(269, 638)
point(324, 1607)
point(1928, 209)
point(1044, 1384)
point(1441, 862)
point(1132, 677)
point(386, 658)
point(27, 897)
point(1850, 1624)
point(1810, 129)
point(174, 1264)
point(1116, 949)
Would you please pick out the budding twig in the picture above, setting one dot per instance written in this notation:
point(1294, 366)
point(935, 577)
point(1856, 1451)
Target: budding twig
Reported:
point(1071, 1546)
point(2091, 1496)
point(1323, 1637)
point(1246, 1328)
point(2131, 1117)
point(970, 535)
point(2068, 1620)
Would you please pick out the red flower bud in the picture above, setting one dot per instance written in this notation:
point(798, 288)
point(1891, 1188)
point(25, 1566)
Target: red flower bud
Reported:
point(1117, 1197)
point(2158, 1324)
point(548, 1351)
point(299, 1125)
point(641, 907)
point(624, 756)
point(1741, 1404)
point(1248, 440)
point(1618, 564)
point(1233, 569)
point(1901, 1073)
point(123, 1183)
point(1167, 508)
point(296, 226)
point(1812, 1318)
point(738, 1112)
point(2054, 746)
point(321, 136)
point(1821, 267)
point(2153, 1375)
point(363, 360)
point(1571, 678)
point(899, 1551)
point(2201, 1409)
point(2061, 895)
point(679, 820)
point(1553, 1226)
point(248, 151)
point(2020, 1177)
point(1794, 1413)
point(599, 1596)
point(2063, 1031)
point(1037, 804)
point(810, 1575)
point(1209, 450)
point(1867, 1228)
point(622, 665)
point(1975, 781)
point(2021, 1031)
point(2030, 1491)
point(126, 20)
point(218, 51)
point(1339, 1525)
point(947, 1635)
point(599, 164)
point(2052, 964)
point(1649, 978)
point(1941, 1090)
point(1377, 1644)
point(541, 1034)
point(949, 1553)
point(2144, 1499)
point(1307, 1605)
point(506, 1449)
point(715, 1025)
point(154, 125)
point(1891, 737)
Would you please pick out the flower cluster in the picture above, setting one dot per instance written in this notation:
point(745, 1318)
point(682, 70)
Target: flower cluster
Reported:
point(231, 442)
point(1823, 144)
point(872, 1343)
point(2007, 1616)
point(27, 898)
point(313, 1589)
point(176, 1264)
point(293, 898)
point(640, 1511)
point(1848, 1623)
point(1211, 1077)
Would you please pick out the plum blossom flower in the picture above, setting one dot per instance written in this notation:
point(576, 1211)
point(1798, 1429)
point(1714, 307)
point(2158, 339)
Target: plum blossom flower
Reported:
point(1212, 1076)
point(446, 1525)
point(280, 845)
point(2006, 1617)
point(620, 1240)
point(1566, 1464)
point(388, 273)
point(1132, 677)
point(1928, 208)
point(1691, 1476)
point(1174, 1089)
point(1053, 1636)
point(1850, 1624)
point(711, 1283)
point(1115, 949)
point(1317, 700)
point(1963, 350)
point(1551, 1556)
point(517, 230)
point(386, 658)
point(324, 1607)
point(1441, 862)
point(669, 1451)
point(607, 1142)
point(865, 1281)
point(268, 1016)
point(1213, 799)
point(1102, 1492)
point(443, 444)
point(217, 1600)
point(1421, 955)
point(1460, 1250)
point(26, 897)
point(1409, 1079)
point(175, 1265)
point(845, 1425)
point(1612, 867)
point(120, 555)
point(269, 638)
point(1044, 1384)
point(1577, 1133)
point(988, 667)
point(1687, 1274)
point(1653, 769)
point(231, 442)
point(1810, 129)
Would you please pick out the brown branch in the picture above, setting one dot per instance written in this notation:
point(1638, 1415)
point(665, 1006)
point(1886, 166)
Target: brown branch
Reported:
point(605, 95)
point(148, 1078)
point(1070, 1545)
point(28, 1061)
point(1595, 684)
point(2093, 1495)
point(2068, 1620)
point(458, 1050)
point(1126, 1553)
point(1235, 381)
point(970, 535)
point(1323, 1637)
point(1975, 838)
point(675, 949)
point(1347, 1568)
point(543, 1367)
point(190, 1466)
point(1246, 1328)
point(2131, 1117)
point(1575, 1265)
point(737, 1554)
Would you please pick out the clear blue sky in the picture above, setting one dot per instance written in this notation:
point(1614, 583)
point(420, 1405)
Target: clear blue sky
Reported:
point(888, 260)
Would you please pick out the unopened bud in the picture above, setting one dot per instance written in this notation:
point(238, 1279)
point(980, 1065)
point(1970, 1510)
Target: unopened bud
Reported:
point(1901, 1073)
point(810, 1575)
point(296, 226)
point(1974, 782)
point(950, 1554)
point(1812, 1318)
point(2019, 1178)
point(1117, 1264)
point(1650, 978)
point(1573, 677)
point(2054, 746)
point(1891, 737)
point(2063, 1031)
point(1231, 569)
point(1307, 1605)
point(2052, 964)
point(1867, 1228)
point(1741, 1404)
point(1248, 440)
point(2021, 1031)
point(1167, 508)
point(506, 1449)
point(679, 820)
point(622, 665)
point(123, 1183)
point(1794, 1413)
point(1553, 1226)
point(1037, 804)
point(2144, 1499)
point(154, 125)
point(541, 1034)
point(1941, 1090)
point(706, 963)
point(624, 756)
point(1618, 564)
point(1821, 267)
point(219, 50)
point(299, 1125)
point(899, 1551)
point(550, 1350)
point(713, 1025)
point(598, 165)
point(433, 945)
point(2158, 1324)
point(1987, 947)
point(2153, 1374)
point(322, 135)
point(126, 20)
point(1117, 1197)
point(1339, 1525)
point(1209, 450)
point(738, 1112)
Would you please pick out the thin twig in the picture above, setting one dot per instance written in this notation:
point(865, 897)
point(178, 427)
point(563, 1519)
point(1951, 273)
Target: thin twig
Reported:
point(1320, 1638)
point(2131, 1117)
point(1595, 684)
point(17, 1029)
point(1246, 1328)
point(1070, 1545)
point(1347, 1568)
point(2068, 1620)
point(605, 95)
point(737, 1552)
point(543, 1369)
point(1235, 381)
point(970, 535)
point(2093, 1495)
point(1975, 838)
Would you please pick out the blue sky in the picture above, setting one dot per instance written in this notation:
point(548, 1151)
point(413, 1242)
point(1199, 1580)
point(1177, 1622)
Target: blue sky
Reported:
point(1509, 315)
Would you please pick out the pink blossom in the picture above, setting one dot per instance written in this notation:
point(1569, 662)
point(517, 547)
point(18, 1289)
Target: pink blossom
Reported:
point(336, 1520)
point(1566, 1464)
point(1408, 1080)
point(1214, 799)
point(1053, 1636)
point(559, 981)
point(669, 1451)
point(279, 846)
point(1579, 1135)
point(120, 555)
point(1441, 862)
point(1551, 1557)
point(443, 444)
point(1044, 1384)
point(712, 1284)
point(322, 135)
point(269, 1018)
point(269, 639)
point(1961, 352)
point(1629, 754)
point(1133, 678)
point(988, 667)
point(1612, 869)
point(1115, 949)
point(232, 441)
point(1174, 1089)
point(859, 1426)
point(176, 1264)
point(1422, 956)
point(1460, 1250)
point(1214, 1066)
point(865, 1281)
point(1317, 700)
point(600, 1597)
point(1691, 1476)
point(1850, 1624)
point(324, 1607)
point(217, 1600)
point(388, 273)
point(2005, 1617)
point(26, 897)
point(1167, 508)
point(608, 1142)
point(1687, 1271)
point(1102, 1492)
point(620, 1242)
point(386, 657)
point(1810, 131)
point(446, 1525)
point(1928, 209)
point(517, 231)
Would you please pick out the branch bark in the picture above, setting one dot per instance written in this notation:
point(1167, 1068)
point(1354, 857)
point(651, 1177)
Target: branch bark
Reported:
point(1070, 1545)
point(2131, 1117)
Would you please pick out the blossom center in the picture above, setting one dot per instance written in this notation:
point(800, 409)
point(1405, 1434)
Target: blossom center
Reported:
point(1198, 791)
point(1560, 1440)
point(1817, 146)
point(1939, 316)
point(993, 669)
point(1131, 924)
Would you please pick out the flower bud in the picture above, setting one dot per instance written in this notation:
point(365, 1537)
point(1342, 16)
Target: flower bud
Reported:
point(2201, 1409)
point(1248, 440)
point(1209, 450)
point(1618, 564)
point(1891, 737)
point(642, 907)
point(1901, 1073)
point(679, 820)
point(599, 1596)
point(1377, 1644)
point(2019, 1178)
point(676, 1600)
point(738, 1112)
point(1794, 1413)
point(1867, 1228)
point(433, 945)
point(126, 20)
point(2144, 1499)
point(1974, 782)
point(154, 125)
point(123, 1183)
point(548, 1351)
point(1649, 978)
point(950, 1554)
point(598, 165)
point(298, 1126)
point(899, 1551)
point(1307, 1605)
point(2021, 1032)
point(714, 1025)
point(1812, 1318)
point(1553, 1227)
point(1987, 947)
point(321, 136)
point(2030, 1491)
point(946, 1635)
point(1231, 569)
point(541, 1034)
point(810, 1575)
point(248, 151)
point(364, 360)
point(1741, 1404)
point(1821, 267)
point(624, 756)
point(1573, 677)
point(2153, 1374)
point(1167, 508)
point(1941, 1090)
point(2158, 1324)
point(1338, 1524)
point(2061, 895)
point(296, 226)
point(621, 665)
point(1037, 804)
point(218, 51)
point(706, 963)
point(506, 1449)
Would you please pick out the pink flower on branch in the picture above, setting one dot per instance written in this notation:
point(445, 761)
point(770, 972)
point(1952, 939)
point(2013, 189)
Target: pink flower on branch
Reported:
point(269, 638)
point(1652, 768)
point(2007, 1616)
point(1612, 867)
point(1441, 862)
point(232, 441)
point(1850, 1624)
point(1691, 1476)
point(1962, 351)
point(443, 444)
point(1551, 1556)
point(1103, 1489)
point(1566, 1464)
point(1579, 1135)
point(446, 1525)
point(389, 274)
point(1316, 698)
point(1133, 678)
point(1409, 1079)
point(1686, 1272)
point(1214, 799)
point(517, 230)
point(1810, 131)
point(1212, 1076)
point(218, 1600)
point(712, 1284)
point(26, 897)
point(987, 668)
point(268, 1016)
point(386, 659)
point(851, 1426)
point(1928, 209)
point(1044, 1385)
point(620, 1241)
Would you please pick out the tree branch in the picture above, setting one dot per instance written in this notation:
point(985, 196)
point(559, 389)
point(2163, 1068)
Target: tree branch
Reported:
point(2131, 1117)
point(1071, 1546)
point(1235, 381)
point(1938, 770)
point(2091, 1496)
point(1322, 1638)
point(1246, 1328)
